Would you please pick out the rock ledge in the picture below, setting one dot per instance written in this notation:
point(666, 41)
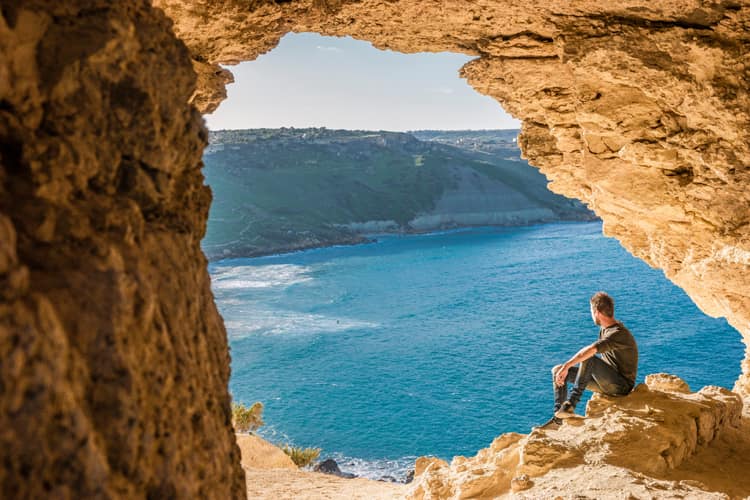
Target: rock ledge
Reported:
point(643, 435)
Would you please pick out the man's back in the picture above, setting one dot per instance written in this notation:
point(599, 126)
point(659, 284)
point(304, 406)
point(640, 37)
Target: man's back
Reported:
point(618, 349)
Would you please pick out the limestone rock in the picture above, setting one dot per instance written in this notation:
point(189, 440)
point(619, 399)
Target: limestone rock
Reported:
point(520, 483)
point(649, 432)
point(113, 358)
point(666, 383)
point(257, 453)
point(431, 479)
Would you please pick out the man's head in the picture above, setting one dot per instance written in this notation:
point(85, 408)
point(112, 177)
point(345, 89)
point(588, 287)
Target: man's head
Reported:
point(602, 305)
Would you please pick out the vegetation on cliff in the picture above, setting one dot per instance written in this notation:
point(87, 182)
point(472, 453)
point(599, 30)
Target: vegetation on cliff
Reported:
point(302, 457)
point(247, 419)
point(285, 189)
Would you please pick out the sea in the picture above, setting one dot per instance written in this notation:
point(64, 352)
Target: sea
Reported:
point(435, 344)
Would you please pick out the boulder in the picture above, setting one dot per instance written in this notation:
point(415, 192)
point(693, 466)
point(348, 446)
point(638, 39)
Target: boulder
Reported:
point(409, 476)
point(329, 466)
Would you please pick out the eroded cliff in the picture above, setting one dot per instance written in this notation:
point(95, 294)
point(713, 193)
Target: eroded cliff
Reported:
point(114, 359)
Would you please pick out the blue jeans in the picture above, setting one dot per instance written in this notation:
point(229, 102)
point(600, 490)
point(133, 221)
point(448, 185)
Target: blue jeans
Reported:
point(594, 375)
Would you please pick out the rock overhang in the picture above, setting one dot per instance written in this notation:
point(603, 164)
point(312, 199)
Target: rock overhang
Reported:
point(640, 109)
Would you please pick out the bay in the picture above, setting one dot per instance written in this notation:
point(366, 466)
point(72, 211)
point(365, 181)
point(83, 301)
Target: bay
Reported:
point(435, 344)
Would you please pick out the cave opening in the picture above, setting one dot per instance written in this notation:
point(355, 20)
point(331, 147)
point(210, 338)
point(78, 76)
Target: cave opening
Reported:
point(289, 316)
point(115, 364)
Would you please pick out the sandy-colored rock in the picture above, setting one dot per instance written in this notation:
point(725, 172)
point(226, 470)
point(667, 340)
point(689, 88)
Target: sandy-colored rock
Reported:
point(257, 453)
point(520, 483)
point(647, 434)
point(113, 358)
point(665, 382)
point(284, 484)
point(428, 463)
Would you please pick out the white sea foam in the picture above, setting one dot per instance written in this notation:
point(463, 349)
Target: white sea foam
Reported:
point(270, 276)
point(270, 433)
point(276, 322)
point(381, 469)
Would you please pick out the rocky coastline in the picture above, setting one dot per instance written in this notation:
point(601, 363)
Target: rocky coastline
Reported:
point(285, 190)
point(661, 441)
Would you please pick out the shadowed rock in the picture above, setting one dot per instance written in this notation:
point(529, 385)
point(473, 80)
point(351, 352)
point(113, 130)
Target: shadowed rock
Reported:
point(329, 466)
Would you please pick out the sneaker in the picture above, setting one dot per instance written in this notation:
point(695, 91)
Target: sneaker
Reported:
point(566, 410)
point(551, 424)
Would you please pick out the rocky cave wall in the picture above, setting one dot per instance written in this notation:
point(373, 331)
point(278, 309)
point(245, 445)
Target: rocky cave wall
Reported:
point(113, 359)
point(638, 108)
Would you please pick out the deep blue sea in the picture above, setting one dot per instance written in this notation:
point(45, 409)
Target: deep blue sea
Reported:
point(435, 344)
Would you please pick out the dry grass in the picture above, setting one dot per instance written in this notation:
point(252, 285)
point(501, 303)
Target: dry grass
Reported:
point(301, 456)
point(246, 419)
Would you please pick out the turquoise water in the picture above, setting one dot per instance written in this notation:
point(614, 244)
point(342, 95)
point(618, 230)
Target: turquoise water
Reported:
point(435, 344)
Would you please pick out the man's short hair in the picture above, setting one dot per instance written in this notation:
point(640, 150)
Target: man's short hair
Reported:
point(603, 303)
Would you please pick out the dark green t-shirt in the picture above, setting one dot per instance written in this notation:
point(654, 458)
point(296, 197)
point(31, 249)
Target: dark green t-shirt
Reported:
point(619, 350)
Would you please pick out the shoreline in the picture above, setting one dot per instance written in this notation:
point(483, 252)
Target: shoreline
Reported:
point(371, 238)
point(373, 469)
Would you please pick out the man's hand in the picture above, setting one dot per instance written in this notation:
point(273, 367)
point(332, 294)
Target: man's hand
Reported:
point(561, 375)
point(581, 355)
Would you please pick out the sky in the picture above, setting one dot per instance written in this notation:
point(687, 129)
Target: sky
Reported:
point(310, 80)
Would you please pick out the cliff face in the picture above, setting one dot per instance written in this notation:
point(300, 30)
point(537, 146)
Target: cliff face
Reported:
point(638, 108)
point(114, 360)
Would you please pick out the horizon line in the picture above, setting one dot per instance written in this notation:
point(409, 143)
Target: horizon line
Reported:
point(367, 130)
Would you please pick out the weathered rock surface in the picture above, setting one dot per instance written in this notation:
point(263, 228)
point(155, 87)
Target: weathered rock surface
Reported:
point(113, 358)
point(257, 453)
point(645, 435)
point(639, 108)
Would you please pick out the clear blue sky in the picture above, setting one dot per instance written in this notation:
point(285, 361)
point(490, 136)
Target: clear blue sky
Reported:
point(310, 80)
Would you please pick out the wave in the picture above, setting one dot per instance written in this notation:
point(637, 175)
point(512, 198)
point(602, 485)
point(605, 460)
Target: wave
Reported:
point(383, 469)
point(276, 322)
point(269, 276)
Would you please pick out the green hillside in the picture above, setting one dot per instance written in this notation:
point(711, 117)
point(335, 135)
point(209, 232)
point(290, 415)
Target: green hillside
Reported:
point(286, 189)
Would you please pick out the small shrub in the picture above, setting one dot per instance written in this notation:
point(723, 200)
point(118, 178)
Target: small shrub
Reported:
point(302, 457)
point(247, 419)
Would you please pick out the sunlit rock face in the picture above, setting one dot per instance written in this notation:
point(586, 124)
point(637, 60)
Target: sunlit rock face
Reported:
point(113, 359)
point(638, 108)
point(627, 447)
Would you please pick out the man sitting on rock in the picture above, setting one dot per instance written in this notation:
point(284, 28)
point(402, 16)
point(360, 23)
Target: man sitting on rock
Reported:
point(612, 374)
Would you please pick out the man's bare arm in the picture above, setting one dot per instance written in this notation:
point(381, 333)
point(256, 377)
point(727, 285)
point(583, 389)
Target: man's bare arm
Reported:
point(581, 355)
